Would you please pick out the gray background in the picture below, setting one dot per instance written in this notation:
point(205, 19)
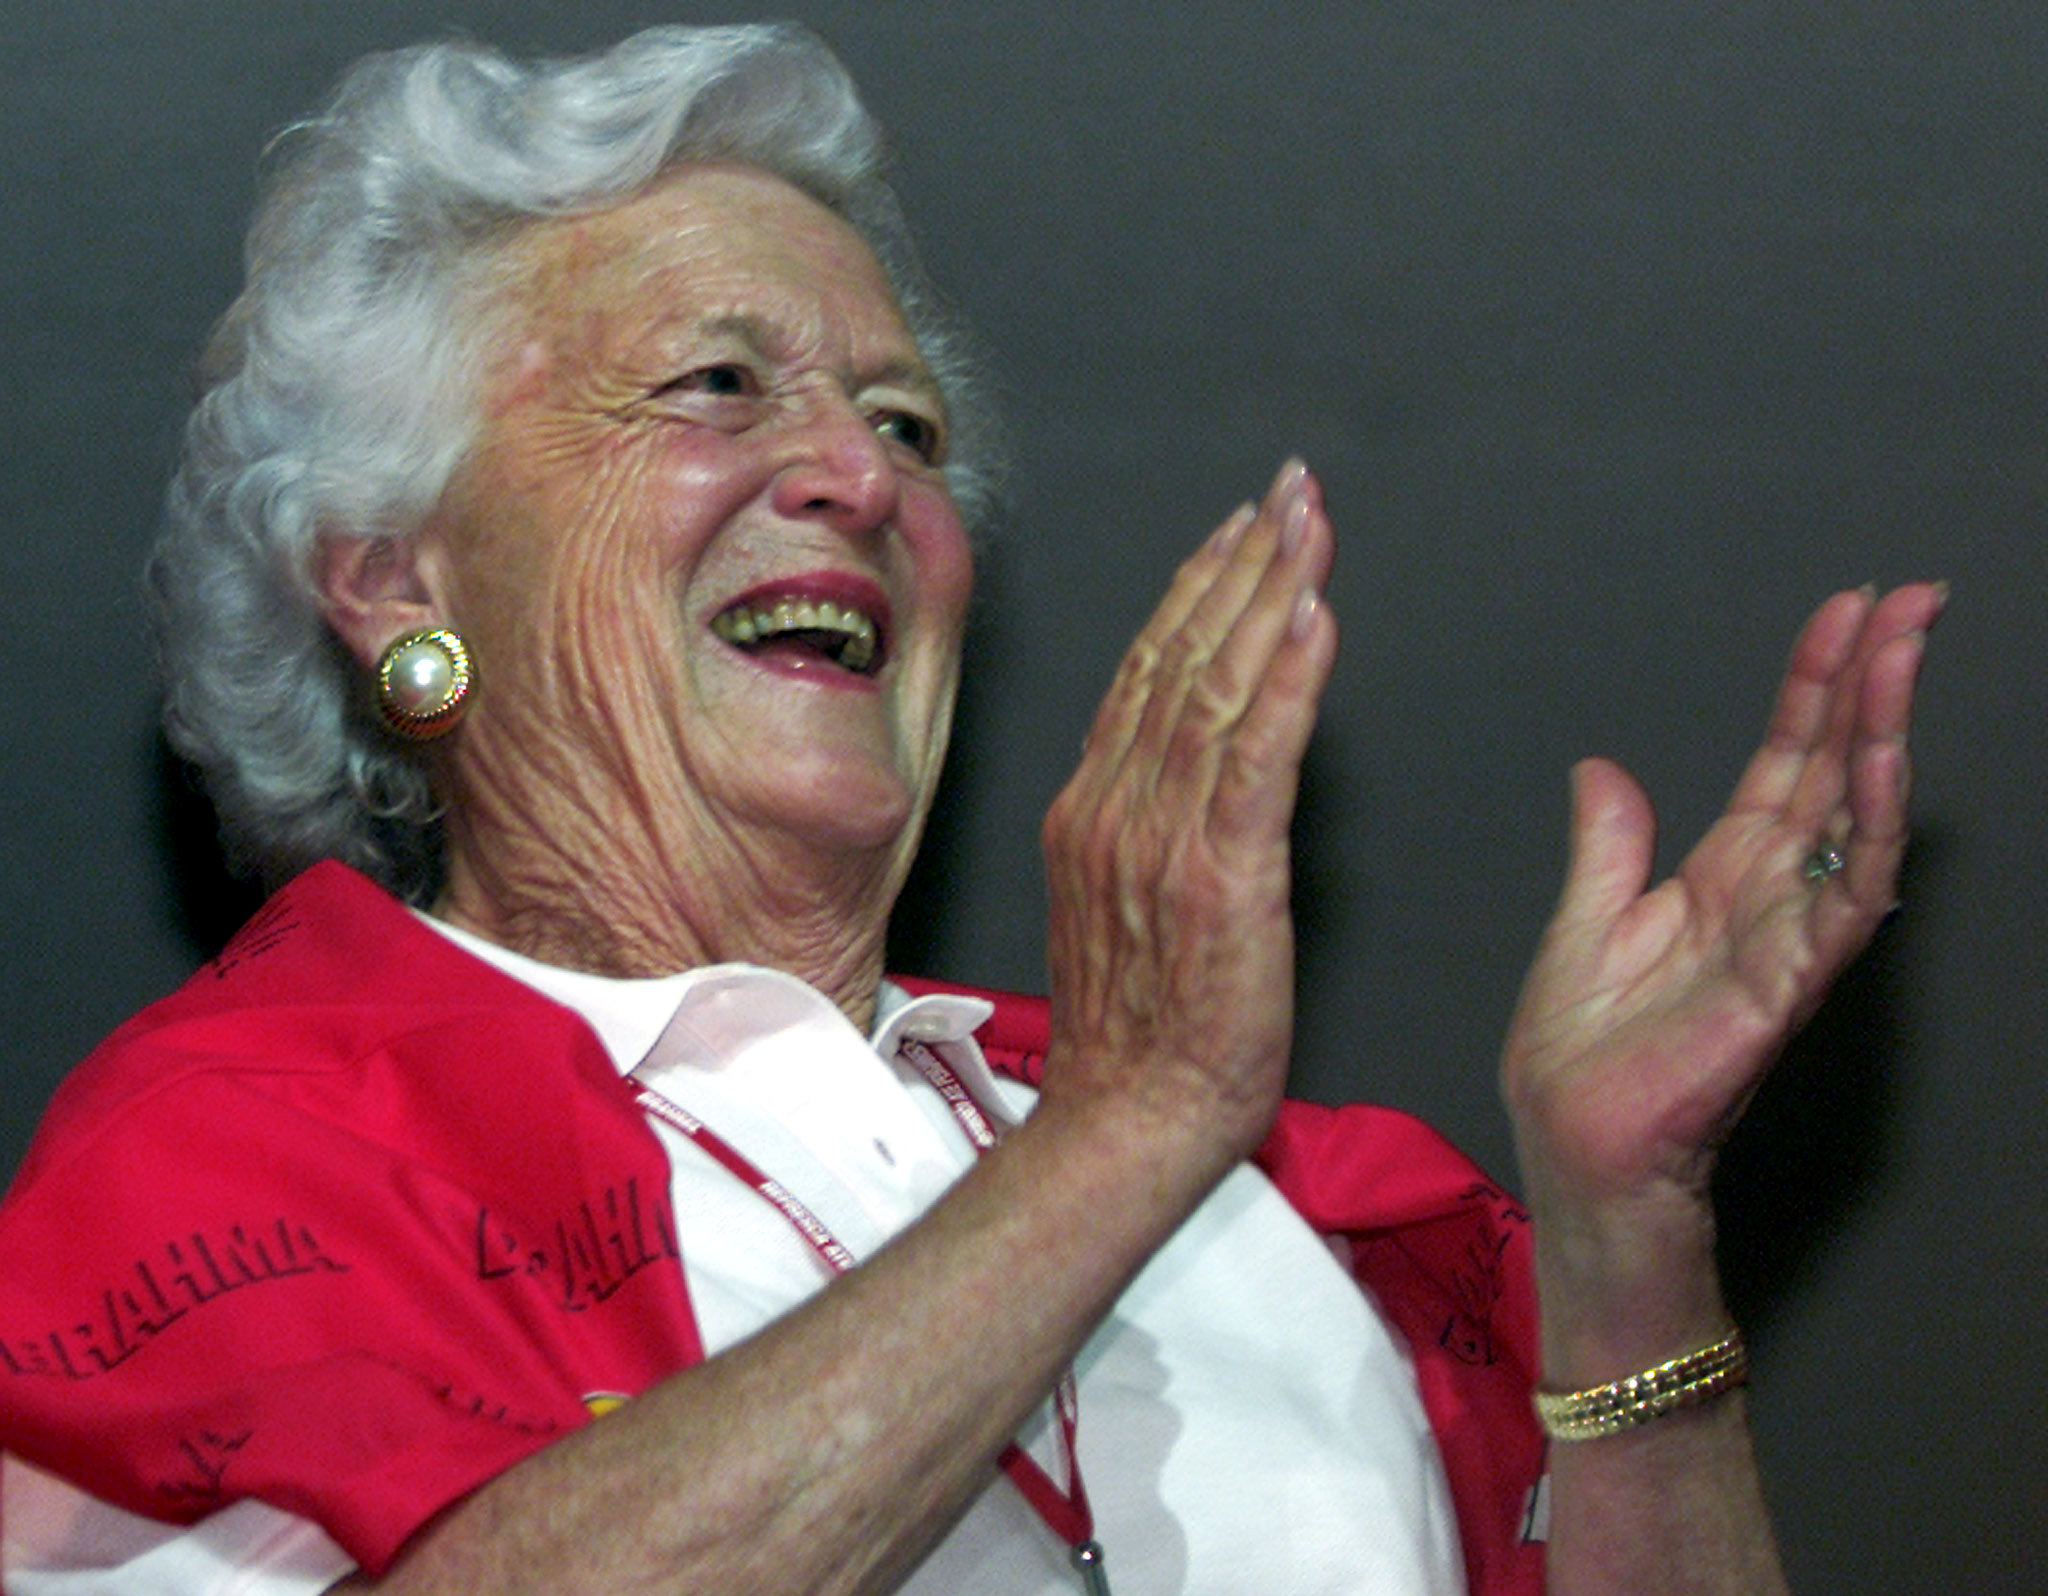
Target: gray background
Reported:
point(1620, 334)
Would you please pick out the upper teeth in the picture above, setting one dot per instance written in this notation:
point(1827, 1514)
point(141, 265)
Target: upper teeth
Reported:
point(750, 623)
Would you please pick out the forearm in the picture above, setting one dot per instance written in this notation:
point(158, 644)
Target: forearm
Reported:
point(1674, 1507)
point(831, 1450)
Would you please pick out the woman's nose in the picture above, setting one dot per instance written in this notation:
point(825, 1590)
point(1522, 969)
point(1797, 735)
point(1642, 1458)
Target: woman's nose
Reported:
point(839, 470)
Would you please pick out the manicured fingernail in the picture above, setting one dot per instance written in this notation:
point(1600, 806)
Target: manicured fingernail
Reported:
point(1941, 594)
point(1288, 479)
point(1294, 525)
point(1303, 620)
point(1225, 538)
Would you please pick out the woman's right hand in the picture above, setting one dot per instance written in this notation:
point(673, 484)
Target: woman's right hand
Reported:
point(1171, 945)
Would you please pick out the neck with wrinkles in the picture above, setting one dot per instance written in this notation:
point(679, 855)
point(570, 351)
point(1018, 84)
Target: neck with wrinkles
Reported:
point(606, 898)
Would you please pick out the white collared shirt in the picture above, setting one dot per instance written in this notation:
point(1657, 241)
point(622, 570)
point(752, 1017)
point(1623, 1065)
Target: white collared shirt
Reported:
point(1248, 1420)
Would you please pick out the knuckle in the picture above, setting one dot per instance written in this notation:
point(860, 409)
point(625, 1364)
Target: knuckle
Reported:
point(1188, 652)
point(1085, 838)
point(1136, 669)
point(1213, 701)
point(1060, 834)
point(1257, 753)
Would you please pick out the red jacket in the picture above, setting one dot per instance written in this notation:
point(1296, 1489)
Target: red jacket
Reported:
point(352, 1222)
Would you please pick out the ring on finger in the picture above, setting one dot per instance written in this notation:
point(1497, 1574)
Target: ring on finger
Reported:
point(1825, 861)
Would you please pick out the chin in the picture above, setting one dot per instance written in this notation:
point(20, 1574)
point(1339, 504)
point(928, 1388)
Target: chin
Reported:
point(844, 806)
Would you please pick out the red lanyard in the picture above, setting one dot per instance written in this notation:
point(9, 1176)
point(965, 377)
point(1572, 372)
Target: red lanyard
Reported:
point(1065, 1512)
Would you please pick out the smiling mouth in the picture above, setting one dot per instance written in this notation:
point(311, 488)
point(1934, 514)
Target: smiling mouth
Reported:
point(840, 633)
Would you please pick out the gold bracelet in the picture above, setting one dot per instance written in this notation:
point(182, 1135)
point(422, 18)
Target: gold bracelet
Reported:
point(1623, 1404)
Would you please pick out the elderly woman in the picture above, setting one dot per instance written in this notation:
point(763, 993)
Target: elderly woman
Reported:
point(571, 544)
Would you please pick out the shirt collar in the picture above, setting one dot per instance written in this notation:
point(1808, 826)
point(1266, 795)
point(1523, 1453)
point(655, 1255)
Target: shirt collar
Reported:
point(730, 1002)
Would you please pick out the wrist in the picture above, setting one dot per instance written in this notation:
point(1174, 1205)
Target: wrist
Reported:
point(1163, 1109)
point(1121, 1166)
point(1625, 1288)
point(1592, 1413)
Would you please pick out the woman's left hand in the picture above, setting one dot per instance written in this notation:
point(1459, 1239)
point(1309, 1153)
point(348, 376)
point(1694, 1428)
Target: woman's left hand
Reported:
point(1651, 1014)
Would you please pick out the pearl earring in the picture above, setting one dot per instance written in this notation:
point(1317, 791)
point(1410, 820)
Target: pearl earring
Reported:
point(423, 683)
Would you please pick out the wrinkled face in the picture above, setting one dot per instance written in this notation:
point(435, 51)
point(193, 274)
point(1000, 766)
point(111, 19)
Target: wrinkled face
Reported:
point(703, 552)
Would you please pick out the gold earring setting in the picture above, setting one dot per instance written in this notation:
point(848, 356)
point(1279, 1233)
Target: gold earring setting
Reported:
point(423, 683)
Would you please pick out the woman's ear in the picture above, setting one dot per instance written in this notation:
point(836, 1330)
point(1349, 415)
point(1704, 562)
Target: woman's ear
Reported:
point(375, 590)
